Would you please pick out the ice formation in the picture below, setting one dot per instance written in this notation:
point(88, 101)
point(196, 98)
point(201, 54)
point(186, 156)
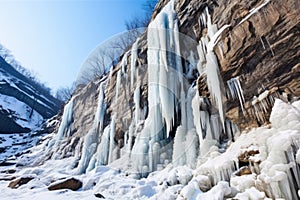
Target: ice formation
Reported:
point(67, 120)
point(91, 140)
point(278, 172)
point(118, 84)
point(138, 110)
point(185, 136)
point(254, 10)
point(236, 90)
point(134, 52)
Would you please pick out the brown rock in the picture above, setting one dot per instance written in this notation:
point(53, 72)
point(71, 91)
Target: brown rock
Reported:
point(243, 171)
point(71, 184)
point(20, 181)
point(244, 157)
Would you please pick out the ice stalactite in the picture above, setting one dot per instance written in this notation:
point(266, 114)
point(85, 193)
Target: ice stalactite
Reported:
point(164, 65)
point(214, 79)
point(66, 122)
point(162, 36)
point(136, 98)
point(134, 54)
point(198, 122)
point(101, 156)
point(236, 90)
point(112, 145)
point(263, 104)
point(64, 130)
point(124, 62)
point(101, 107)
point(254, 10)
point(118, 84)
point(191, 148)
point(208, 61)
point(91, 140)
point(189, 109)
point(179, 154)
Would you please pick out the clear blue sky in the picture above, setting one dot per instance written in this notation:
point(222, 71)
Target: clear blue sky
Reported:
point(54, 37)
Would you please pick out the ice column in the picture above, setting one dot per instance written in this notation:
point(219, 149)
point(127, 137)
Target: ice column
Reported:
point(91, 140)
point(67, 120)
point(134, 52)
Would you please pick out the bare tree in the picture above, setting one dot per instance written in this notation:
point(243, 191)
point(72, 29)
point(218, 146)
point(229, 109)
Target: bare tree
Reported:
point(65, 93)
point(109, 53)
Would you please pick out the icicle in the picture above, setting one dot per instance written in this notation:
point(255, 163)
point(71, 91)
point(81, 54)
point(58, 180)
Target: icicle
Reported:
point(118, 85)
point(134, 52)
point(254, 10)
point(214, 83)
point(191, 148)
point(136, 98)
point(179, 154)
point(236, 90)
point(124, 62)
point(197, 119)
point(66, 122)
point(214, 80)
point(189, 108)
point(101, 107)
point(202, 58)
point(262, 42)
point(88, 159)
point(111, 138)
point(161, 92)
point(103, 148)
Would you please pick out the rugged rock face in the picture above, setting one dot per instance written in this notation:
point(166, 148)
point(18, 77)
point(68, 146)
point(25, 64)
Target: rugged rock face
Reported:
point(24, 104)
point(260, 47)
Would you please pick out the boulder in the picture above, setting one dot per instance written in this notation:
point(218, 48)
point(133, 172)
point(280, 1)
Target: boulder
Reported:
point(71, 184)
point(98, 195)
point(19, 181)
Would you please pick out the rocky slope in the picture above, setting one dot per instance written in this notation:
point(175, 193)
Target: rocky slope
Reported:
point(24, 104)
point(203, 72)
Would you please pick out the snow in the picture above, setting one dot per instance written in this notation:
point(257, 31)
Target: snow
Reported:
point(251, 194)
point(22, 112)
point(13, 144)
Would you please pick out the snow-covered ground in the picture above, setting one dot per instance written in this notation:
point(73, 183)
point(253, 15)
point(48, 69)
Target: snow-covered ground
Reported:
point(270, 167)
point(14, 144)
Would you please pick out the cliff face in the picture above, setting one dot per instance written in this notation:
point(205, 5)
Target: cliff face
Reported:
point(257, 55)
point(201, 73)
point(24, 104)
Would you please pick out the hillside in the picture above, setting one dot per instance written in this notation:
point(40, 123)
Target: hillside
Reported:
point(24, 104)
point(205, 105)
